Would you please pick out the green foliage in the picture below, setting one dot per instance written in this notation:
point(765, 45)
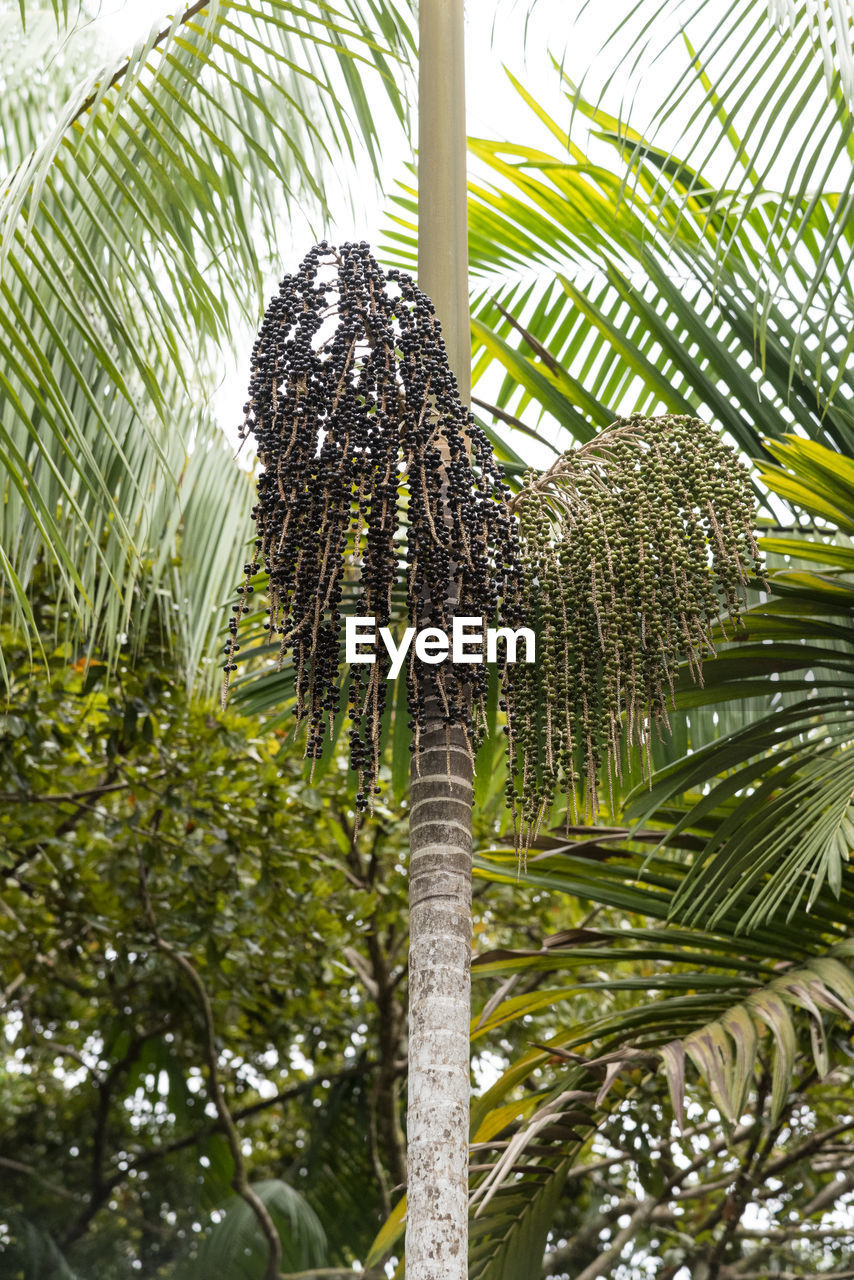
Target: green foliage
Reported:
point(791, 201)
point(129, 228)
point(109, 1153)
point(761, 1020)
point(759, 1017)
point(617, 278)
point(103, 1087)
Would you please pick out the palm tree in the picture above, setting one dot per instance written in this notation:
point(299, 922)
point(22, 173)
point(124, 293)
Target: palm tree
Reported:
point(763, 367)
point(658, 288)
point(178, 162)
point(742, 907)
point(147, 163)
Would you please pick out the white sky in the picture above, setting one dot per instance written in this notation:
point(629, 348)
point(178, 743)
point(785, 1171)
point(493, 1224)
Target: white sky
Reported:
point(496, 38)
point(499, 34)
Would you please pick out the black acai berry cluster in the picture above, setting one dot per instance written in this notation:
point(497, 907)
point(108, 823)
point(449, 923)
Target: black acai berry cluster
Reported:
point(374, 476)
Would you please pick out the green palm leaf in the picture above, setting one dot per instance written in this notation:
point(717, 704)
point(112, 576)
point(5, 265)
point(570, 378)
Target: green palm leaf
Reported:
point(137, 221)
point(236, 1248)
point(778, 790)
point(710, 1003)
point(606, 290)
point(801, 55)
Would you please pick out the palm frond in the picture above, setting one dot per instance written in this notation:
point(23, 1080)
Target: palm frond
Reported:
point(597, 298)
point(800, 53)
point(776, 794)
point(722, 1007)
point(135, 235)
point(235, 1246)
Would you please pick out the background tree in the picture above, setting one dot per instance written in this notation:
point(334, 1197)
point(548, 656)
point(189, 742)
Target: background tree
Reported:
point(316, 1015)
point(112, 1155)
point(138, 216)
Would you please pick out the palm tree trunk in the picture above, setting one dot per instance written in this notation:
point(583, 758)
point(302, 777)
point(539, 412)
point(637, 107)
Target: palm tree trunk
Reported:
point(439, 1011)
point(441, 782)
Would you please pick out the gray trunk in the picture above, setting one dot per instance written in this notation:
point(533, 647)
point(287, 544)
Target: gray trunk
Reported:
point(441, 783)
point(439, 1010)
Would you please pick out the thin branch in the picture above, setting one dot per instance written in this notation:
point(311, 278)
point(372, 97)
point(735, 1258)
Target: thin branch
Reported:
point(789, 1275)
point(17, 1166)
point(793, 1231)
point(149, 1157)
point(125, 67)
point(72, 797)
point(334, 1273)
point(69, 1051)
point(647, 1210)
point(77, 798)
point(10, 990)
point(603, 1264)
point(731, 1208)
point(516, 423)
point(830, 1194)
point(384, 1103)
point(101, 1187)
point(807, 1148)
point(568, 1256)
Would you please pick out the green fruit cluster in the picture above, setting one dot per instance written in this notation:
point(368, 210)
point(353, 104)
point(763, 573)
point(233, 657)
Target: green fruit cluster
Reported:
point(633, 547)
